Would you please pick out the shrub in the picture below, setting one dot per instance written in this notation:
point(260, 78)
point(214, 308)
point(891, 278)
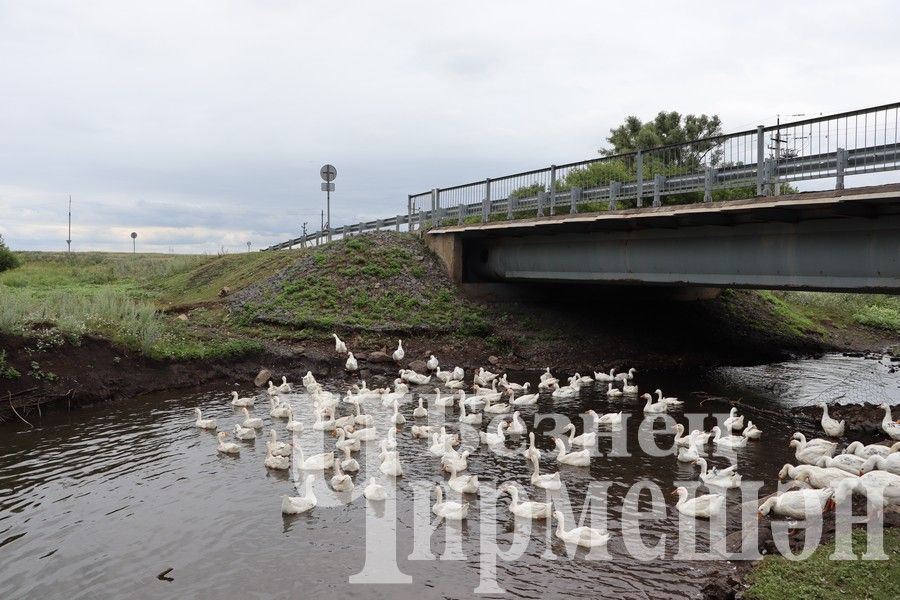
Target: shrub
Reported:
point(8, 260)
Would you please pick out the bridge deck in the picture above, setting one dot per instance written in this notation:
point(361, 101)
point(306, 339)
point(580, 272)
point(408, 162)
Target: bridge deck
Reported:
point(871, 201)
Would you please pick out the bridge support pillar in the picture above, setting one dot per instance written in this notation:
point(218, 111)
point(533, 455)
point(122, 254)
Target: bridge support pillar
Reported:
point(448, 248)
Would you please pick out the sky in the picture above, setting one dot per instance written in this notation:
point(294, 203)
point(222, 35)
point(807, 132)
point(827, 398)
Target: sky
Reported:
point(202, 125)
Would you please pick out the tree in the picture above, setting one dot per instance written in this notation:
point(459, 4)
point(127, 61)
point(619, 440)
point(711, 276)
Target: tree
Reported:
point(8, 260)
point(669, 128)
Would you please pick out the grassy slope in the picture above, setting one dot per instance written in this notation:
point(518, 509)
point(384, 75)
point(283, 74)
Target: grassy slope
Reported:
point(819, 578)
point(381, 283)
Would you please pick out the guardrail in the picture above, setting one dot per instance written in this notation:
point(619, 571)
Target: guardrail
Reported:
point(760, 162)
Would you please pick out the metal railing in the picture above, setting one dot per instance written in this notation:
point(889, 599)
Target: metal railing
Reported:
point(756, 162)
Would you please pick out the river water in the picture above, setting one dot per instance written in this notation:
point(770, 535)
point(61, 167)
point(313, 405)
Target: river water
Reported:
point(96, 503)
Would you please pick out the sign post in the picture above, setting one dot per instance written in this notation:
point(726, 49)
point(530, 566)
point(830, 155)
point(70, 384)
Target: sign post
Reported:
point(328, 173)
point(133, 242)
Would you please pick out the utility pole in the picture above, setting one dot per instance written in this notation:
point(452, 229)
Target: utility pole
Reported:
point(248, 246)
point(69, 241)
point(322, 228)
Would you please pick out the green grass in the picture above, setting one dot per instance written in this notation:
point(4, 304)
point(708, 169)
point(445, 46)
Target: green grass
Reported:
point(121, 297)
point(818, 578)
point(845, 309)
point(794, 320)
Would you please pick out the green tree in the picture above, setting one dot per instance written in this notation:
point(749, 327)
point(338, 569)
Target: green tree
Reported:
point(669, 128)
point(8, 260)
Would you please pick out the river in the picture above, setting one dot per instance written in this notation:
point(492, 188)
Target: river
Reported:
point(96, 503)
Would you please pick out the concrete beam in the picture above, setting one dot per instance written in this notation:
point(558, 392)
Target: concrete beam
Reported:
point(448, 249)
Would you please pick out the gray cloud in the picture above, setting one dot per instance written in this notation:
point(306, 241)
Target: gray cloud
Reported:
point(204, 123)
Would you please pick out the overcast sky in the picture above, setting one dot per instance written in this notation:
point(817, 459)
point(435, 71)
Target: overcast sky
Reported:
point(201, 124)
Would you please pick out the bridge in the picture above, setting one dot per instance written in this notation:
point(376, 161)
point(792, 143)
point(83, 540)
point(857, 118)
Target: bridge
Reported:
point(720, 211)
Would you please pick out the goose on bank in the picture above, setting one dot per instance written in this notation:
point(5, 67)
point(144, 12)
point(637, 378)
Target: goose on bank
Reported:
point(339, 346)
point(888, 424)
point(797, 504)
point(860, 449)
point(351, 364)
point(832, 427)
point(399, 353)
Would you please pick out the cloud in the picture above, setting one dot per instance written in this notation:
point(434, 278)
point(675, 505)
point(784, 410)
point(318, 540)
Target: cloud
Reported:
point(205, 123)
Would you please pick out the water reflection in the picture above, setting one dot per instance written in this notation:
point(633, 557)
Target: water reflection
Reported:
point(108, 498)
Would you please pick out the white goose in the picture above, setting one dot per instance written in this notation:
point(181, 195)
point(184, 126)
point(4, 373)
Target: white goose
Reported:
point(236, 401)
point(397, 418)
point(322, 423)
point(420, 412)
point(449, 510)
point(832, 427)
point(292, 425)
point(653, 408)
point(295, 505)
point(613, 392)
point(399, 353)
point(810, 453)
point(499, 408)
point(458, 374)
point(277, 448)
point(366, 434)
point(880, 487)
point(278, 463)
point(815, 441)
point(432, 363)
point(797, 504)
point(374, 491)
point(341, 482)
point(411, 376)
point(494, 439)
point(734, 422)
point(670, 401)
point(701, 507)
point(603, 377)
point(585, 439)
point(721, 478)
point(516, 425)
point(728, 441)
point(251, 422)
point(348, 463)
point(515, 387)
point(681, 440)
point(391, 465)
point(443, 401)
point(816, 477)
point(352, 364)
point(629, 390)
point(860, 449)
point(346, 443)
point(526, 509)
point(581, 458)
point(455, 460)
point(278, 410)
point(586, 537)
point(531, 452)
point(285, 387)
point(227, 447)
point(687, 454)
point(847, 462)
point(421, 431)
point(524, 399)
point(315, 462)
point(569, 391)
point(204, 423)
point(751, 431)
point(464, 484)
point(243, 433)
point(470, 419)
point(443, 376)
point(361, 418)
point(339, 346)
point(889, 463)
point(626, 376)
point(888, 424)
point(549, 481)
point(612, 418)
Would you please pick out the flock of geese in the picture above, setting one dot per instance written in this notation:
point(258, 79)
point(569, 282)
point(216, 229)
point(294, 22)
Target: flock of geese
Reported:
point(872, 470)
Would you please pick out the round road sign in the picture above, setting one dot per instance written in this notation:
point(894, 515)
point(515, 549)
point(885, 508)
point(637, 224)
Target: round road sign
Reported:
point(328, 172)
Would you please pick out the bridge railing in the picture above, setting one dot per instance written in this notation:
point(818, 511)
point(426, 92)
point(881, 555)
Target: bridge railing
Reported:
point(762, 161)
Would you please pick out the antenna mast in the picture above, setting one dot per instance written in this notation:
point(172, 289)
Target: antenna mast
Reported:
point(69, 241)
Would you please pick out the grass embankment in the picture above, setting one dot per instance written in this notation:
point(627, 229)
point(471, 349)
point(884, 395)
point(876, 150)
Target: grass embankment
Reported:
point(169, 307)
point(818, 578)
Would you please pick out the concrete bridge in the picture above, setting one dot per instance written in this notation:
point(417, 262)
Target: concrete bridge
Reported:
point(841, 240)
